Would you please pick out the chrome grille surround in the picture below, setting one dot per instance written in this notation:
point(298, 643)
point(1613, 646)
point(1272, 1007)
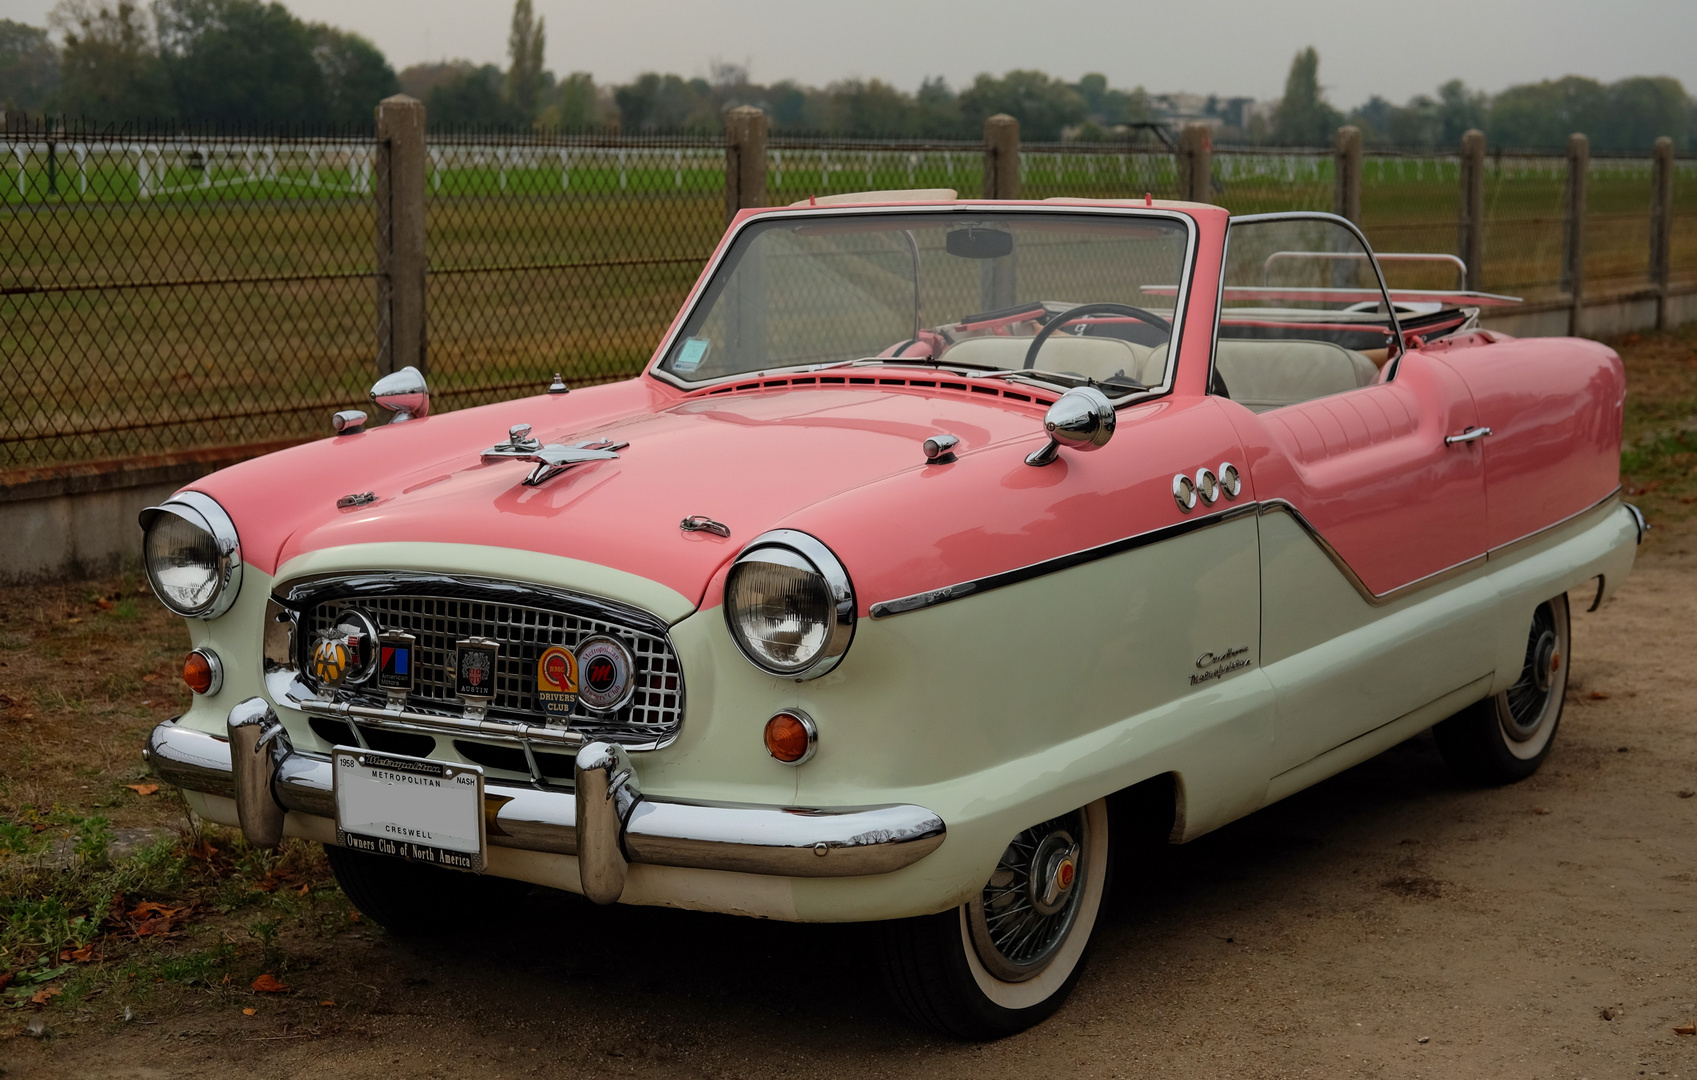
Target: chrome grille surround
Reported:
point(440, 610)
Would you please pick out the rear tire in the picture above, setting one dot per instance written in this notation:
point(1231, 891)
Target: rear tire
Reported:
point(411, 899)
point(1009, 958)
point(1507, 736)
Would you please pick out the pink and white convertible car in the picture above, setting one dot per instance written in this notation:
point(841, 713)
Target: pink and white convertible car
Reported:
point(941, 543)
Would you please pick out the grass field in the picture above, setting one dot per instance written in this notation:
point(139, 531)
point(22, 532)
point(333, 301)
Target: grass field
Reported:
point(235, 302)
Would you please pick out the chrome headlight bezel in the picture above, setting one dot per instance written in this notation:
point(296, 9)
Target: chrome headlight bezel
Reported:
point(790, 545)
point(204, 513)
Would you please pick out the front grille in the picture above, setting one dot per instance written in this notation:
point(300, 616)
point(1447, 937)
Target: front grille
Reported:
point(450, 611)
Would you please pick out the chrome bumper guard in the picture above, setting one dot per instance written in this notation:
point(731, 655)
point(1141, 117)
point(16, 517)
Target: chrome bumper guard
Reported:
point(605, 821)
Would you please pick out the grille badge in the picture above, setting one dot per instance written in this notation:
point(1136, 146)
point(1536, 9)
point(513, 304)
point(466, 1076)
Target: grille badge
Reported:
point(604, 673)
point(557, 682)
point(395, 665)
point(474, 673)
point(345, 654)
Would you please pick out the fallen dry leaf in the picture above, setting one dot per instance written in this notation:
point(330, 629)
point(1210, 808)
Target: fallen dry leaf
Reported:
point(1686, 1029)
point(331, 1004)
point(47, 993)
point(143, 789)
point(226, 981)
point(147, 909)
point(150, 678)
point(269, 984)
point(104, 604)
point(304, 889)
point(6, 978)
point(81, 956)
point(249, 1012)
point(1597, 695)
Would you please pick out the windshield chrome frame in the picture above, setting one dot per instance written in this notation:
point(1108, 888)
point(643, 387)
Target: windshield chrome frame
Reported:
point(1391, 363)
point(1180, 303)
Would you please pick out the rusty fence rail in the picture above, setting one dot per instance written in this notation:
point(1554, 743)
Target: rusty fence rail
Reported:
point(202, 294)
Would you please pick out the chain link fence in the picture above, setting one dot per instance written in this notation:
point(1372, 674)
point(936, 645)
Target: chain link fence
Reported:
point(161, 294)
point(174, 293)
point(566, 255)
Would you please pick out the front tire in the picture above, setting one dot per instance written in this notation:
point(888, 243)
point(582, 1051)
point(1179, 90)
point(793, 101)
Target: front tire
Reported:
point(410, 899)
point(1009, 958)
point(1507, 736)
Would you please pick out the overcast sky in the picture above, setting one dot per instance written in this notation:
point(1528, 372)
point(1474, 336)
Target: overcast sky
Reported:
point(1228, 47)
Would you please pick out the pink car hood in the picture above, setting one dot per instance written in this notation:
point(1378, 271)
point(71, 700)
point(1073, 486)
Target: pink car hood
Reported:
point(749, 460)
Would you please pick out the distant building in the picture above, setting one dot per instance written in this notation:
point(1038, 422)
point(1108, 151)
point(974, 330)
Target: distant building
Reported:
point(1217, 112)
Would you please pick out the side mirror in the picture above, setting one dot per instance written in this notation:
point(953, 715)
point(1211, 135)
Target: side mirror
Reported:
point(403, 393)
point(1083, 419)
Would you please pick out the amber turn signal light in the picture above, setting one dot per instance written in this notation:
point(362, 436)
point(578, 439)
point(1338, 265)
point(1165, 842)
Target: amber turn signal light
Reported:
point(202, 672)
point(791, 736)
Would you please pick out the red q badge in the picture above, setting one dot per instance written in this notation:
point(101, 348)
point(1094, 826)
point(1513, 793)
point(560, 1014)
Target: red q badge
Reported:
point(556, 681)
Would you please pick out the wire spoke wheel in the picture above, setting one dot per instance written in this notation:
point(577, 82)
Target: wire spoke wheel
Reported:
point(1527, 711)
point(1020, 920)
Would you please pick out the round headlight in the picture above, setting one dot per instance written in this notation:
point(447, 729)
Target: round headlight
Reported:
point(192, 556)
point(790, 605)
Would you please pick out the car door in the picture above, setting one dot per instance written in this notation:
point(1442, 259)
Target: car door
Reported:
point(1366, 512)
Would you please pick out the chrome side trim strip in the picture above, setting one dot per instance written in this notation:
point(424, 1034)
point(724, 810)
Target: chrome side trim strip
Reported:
point(785, 841)
point(943, 595)
point(1601, 505)
point(1275, 506)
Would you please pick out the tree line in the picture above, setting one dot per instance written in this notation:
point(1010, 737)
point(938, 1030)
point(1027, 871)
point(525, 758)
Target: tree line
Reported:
point(253, 62)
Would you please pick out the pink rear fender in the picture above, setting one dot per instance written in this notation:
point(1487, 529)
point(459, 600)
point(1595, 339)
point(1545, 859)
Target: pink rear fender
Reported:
point(1554, 407)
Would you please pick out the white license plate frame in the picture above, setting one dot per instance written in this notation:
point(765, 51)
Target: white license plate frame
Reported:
point(411, 808)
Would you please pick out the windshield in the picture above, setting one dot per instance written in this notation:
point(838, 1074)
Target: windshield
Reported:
point(1067, 297)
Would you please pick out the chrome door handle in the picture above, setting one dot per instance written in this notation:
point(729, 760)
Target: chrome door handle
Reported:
point(1467, 436)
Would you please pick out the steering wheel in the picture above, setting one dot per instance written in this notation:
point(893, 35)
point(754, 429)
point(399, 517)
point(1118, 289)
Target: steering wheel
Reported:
point(1091, 309)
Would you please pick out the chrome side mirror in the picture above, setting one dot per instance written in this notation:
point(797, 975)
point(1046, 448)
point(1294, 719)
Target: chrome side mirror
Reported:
point(1083, 418)
point(403, 393)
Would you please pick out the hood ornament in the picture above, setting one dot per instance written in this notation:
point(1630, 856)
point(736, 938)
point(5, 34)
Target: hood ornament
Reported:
point(551, 460)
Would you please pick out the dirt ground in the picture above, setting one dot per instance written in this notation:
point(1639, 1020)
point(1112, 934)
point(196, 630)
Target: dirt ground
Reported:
point(1386, 923)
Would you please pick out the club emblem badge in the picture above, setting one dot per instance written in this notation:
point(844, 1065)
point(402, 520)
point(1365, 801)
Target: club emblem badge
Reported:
point(346, 653)
point(474, 669)
point(606, 673)
point(556, 681)
point(395, 664)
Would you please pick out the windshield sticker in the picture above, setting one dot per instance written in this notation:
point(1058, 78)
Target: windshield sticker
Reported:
point(690, 355)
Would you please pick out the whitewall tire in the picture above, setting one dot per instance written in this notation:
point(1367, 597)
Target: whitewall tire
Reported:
point(1008, 959)
point(1508, 735)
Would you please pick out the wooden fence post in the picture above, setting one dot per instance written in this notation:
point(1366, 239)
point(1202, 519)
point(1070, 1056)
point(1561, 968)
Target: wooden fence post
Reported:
point(1471, 243)
point(1573, 231)
point(1001, 157)
point(1346, 189)
point(1196, 163)
point(399, 183)
point(745, 160)
point(1661, 225)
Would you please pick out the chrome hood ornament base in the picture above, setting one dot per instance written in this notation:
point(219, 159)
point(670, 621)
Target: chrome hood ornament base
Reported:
point(550, 460)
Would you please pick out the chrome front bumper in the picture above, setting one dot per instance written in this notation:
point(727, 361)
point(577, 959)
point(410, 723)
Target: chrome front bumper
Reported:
point(605, 820)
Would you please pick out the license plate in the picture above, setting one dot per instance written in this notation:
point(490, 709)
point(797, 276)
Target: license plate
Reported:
point(412, 808)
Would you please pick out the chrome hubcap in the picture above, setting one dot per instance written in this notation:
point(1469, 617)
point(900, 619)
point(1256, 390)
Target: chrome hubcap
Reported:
point(1053, 872)
point(1527, 701)
point(1021, 919)
point(1546, 660)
